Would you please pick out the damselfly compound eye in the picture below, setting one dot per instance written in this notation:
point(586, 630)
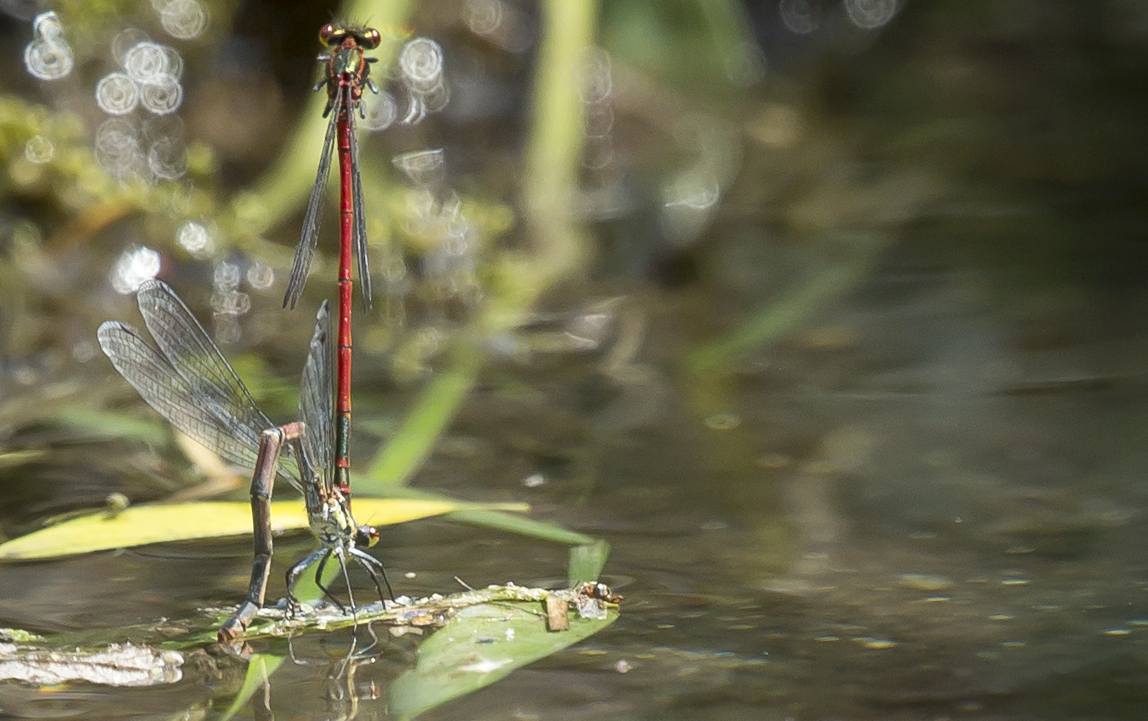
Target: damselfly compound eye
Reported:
point(366, 536)
point(327, 33)
point(371, 38)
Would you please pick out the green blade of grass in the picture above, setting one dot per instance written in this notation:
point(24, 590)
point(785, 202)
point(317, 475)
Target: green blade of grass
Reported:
point(493, 516)
point(405, 453)
point(587, 562)
point(259, 670)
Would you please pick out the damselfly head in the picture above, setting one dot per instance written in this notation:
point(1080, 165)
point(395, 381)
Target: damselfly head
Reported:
point(333, 34)
point(366, 536)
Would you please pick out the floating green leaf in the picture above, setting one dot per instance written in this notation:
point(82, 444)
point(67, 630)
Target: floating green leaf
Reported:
point(162, 523)
point(481, 645)
point(433, 612)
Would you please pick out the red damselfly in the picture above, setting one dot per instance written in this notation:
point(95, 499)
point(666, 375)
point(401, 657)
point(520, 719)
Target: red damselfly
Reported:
point(346, 73)
point(186, 379)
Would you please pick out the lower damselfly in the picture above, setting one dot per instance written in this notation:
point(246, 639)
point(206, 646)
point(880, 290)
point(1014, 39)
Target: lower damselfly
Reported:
point(186, 379)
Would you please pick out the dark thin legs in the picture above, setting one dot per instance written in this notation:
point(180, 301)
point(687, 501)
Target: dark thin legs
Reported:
point(262, 485)
point(369, 563)
point(321, 556)
point(293, 574)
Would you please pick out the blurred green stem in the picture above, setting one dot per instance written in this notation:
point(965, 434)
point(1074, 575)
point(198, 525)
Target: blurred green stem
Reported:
point(554, 153)
point(756, 500)
point(791, 312)
point(549, 185)
point(399, 459)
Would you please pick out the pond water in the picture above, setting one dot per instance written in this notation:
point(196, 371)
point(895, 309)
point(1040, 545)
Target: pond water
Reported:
point(916, 528)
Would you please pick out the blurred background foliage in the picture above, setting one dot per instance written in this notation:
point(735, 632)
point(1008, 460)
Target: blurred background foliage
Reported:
point(584, 177)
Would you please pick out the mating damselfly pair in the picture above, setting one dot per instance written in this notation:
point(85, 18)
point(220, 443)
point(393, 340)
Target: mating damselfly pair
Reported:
point(188, 381)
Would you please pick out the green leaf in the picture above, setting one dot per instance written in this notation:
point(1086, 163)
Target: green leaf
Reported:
point(259, 670)
point(114, 425)
point(162, 523)
point(492, 518)
point(587, 562)
point(481, 645)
